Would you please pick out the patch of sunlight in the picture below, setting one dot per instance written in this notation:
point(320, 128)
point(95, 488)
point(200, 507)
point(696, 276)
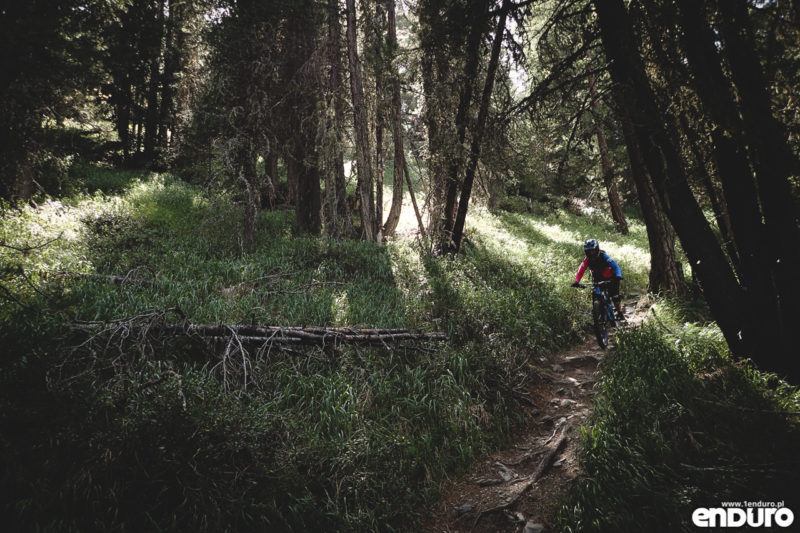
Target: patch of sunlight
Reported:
point(555, 232)
point(340, 307)
point(54, 219)
point(55, 230)
point(497, 237)
point(633, 255)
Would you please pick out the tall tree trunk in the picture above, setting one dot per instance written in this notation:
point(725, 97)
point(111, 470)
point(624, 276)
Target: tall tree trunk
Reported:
point(477, 136)
point(733, 158)
point(249, 178)
point(304, 104)
point(23, 181)
point(605, 161)
point(773, 160)
point(138, 133)
point(172, 58)
point(665, 273)
point(379, 157)
point(380, 119)
point(269, 183)
point(476, 12)
point(291, 179)
point(309, 197)
point(718, 205)
point(379, 162)
point(717, 281)
point(123, 116)
point(152, 114)
point(417, 213)
point(436, 73)
point(397, 128)
point(363, 151)
point(339, 221)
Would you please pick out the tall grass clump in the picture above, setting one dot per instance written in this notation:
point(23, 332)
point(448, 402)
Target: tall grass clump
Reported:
point(120, 431)
point(679, 425)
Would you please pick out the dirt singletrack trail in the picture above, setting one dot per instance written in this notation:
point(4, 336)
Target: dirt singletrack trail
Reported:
point(515, 489)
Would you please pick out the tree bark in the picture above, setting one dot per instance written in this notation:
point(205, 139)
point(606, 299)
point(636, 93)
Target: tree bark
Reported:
point(665, 274)
point(309, 197)
point(249, 177)
point(291, 180)
point(269, 188)
point(363, 151)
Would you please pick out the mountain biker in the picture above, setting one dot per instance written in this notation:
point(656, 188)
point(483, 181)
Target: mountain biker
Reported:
point(603, 269)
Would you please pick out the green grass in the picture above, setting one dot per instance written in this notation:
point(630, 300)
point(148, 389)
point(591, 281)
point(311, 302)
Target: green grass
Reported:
point(136, 436)
point(678, 425)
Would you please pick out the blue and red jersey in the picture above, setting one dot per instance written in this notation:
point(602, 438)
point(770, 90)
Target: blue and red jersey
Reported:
point(601, 265)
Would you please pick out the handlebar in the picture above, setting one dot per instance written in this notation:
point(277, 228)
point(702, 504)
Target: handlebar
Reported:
point(587, 286)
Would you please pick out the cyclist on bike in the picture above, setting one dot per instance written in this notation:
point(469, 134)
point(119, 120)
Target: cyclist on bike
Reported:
point(603, 269)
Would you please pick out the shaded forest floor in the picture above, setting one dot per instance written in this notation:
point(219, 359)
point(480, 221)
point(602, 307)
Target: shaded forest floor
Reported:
point(97, 424)
point(496, 495)
point(95, 430)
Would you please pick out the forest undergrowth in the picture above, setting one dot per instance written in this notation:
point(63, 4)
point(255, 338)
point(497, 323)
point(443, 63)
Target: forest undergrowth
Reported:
point(123, 433)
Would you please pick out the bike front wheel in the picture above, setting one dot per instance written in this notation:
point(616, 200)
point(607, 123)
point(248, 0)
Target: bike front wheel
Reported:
point(600, 323)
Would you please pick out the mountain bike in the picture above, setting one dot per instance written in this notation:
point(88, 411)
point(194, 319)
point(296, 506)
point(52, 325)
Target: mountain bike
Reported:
point(603, 314)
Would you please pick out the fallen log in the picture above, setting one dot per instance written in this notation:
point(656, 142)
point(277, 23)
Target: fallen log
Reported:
point(299, 335)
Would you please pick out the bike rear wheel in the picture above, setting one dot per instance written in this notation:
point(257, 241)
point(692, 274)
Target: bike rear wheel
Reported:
point(600, 323)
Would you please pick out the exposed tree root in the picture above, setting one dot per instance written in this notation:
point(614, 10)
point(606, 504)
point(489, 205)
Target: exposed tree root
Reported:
point(519, 487)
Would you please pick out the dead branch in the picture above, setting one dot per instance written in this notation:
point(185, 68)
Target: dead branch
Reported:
point(114, 344)
point(105, 335)
point(10, 296)
point(29, 247)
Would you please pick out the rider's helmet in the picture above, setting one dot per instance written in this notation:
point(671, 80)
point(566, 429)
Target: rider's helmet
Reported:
point(590, 245)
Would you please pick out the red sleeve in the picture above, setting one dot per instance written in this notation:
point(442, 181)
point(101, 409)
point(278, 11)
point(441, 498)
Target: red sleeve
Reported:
point(581, 270)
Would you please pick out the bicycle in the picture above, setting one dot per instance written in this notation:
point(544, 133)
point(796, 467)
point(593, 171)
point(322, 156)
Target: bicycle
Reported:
point(603, 313)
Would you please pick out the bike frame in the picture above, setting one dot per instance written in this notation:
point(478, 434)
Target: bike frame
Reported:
point(602, 311)
point(599, 292)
